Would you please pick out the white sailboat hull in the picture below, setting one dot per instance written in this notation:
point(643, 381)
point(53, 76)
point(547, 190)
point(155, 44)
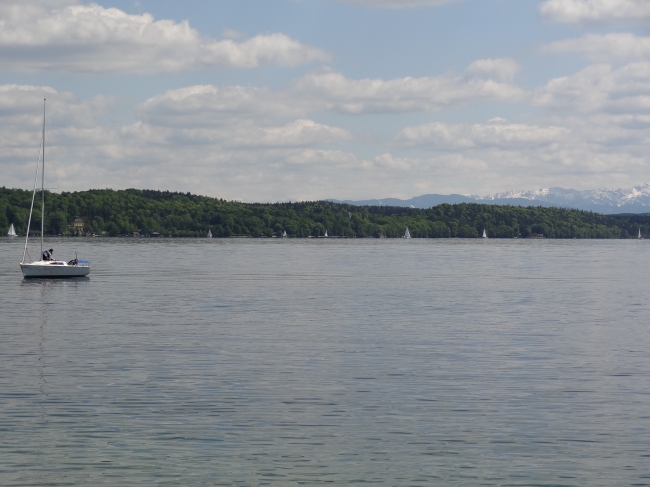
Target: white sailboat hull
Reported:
point(54, 269)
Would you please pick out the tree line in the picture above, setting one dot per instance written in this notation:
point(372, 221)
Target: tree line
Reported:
point(115, 213)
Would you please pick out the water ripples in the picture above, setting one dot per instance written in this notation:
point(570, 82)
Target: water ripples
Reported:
point(250, 362)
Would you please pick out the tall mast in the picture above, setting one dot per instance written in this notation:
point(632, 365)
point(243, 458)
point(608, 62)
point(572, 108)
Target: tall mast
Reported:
point(43, 182)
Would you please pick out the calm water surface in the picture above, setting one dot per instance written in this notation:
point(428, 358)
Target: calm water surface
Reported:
point(309, 362)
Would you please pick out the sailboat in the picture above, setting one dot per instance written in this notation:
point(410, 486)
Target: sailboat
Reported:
point(484, 234)
point(12, 231)
point(48, 268)
point(209, 233)
point(639, 237)
point(284, 235)
point(326, 236)
point(407, 234)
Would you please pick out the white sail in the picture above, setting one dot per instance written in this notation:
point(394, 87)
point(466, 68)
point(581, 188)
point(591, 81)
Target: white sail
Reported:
point(12, 231)
point(284, 235)
point(326, 234)
point(484, 234)
point(209, 233)
point(639, 237)
point(407, 234)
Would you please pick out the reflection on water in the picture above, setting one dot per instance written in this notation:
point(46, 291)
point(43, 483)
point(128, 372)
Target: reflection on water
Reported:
point(234, 362)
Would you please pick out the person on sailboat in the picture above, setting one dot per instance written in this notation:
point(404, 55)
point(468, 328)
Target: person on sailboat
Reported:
point(47, 255)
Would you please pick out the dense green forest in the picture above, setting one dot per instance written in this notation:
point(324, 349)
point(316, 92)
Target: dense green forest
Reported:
point(114, 213)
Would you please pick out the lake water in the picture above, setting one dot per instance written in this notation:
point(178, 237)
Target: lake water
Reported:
point(309, 362)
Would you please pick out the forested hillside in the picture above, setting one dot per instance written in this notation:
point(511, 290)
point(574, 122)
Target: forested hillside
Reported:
point(115, 213)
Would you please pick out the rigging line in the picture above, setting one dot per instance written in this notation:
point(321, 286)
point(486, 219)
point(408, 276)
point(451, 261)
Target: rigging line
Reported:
point(29, 222)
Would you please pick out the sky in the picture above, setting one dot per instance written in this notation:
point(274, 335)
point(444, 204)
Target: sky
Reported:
point(276, 100)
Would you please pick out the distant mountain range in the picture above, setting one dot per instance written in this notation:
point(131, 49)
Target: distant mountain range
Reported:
point(606, 201)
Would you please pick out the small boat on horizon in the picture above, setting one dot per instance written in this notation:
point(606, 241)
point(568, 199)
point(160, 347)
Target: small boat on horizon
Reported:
point(484, 234)
point(407, 234)
point(48, 268)
point(284, 235)
point(209, 233)
point(640, 237)
point(12, 231)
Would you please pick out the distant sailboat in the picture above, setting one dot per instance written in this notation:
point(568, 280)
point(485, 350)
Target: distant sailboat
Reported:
point(12, 231)
point(484, 234)
point(284, 235)
point(209, 233)
point(326, 236)
point(639, 237)
point(407, 234)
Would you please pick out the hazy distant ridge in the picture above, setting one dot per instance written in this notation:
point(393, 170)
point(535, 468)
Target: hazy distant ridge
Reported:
point(607, 201)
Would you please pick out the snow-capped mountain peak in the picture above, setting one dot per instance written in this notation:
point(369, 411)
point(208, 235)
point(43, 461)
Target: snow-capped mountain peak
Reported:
point(631, 200)
point(570, 197)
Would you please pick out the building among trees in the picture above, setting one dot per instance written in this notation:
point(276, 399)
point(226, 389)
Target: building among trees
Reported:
point(78, 226)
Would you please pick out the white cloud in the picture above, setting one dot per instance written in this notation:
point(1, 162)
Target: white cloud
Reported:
point(495, 133)
point(605, 47)
point(208, 158)
point(260, 144)
point(484, 80)
point(207, 104)
point(249, 158)
point(503, 69)
point(595, 11)
point(590, 151)
point(397, 4)
point(326, 159)
point(202, 105)
point(92, 39)
point(21, 107)
point(233, 34)
point(388, 161)
point(235, 117)
point(405, 177)
point(247, 135)
point(599, 88)
point(296, 134)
